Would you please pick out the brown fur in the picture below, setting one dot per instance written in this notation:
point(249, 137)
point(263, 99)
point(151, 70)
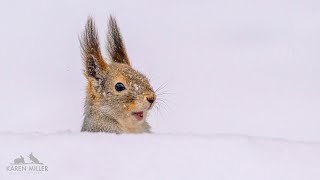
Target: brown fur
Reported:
point(106, 109)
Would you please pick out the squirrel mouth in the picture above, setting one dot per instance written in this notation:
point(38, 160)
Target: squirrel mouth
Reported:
point(138, 115)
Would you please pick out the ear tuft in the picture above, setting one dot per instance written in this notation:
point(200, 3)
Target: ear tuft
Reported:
point(115, 45)
point(92, 68)
point(90, 49)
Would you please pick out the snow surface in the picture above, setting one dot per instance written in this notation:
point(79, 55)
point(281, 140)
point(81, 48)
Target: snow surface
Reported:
point(227, 67)
point(162, 156)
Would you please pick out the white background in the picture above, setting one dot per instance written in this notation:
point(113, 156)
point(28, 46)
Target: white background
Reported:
point(240, 67)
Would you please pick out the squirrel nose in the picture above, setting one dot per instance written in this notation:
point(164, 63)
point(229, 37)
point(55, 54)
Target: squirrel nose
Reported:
point(150, 99)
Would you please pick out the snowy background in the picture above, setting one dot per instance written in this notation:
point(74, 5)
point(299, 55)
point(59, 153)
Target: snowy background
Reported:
point(234, 71)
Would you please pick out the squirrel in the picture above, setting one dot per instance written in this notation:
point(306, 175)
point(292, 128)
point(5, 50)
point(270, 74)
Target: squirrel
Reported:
point(118, 97)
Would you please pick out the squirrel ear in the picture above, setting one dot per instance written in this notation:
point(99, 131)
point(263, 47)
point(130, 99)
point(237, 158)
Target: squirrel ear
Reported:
point(92, 59)
point(115, 45)
point(93, 69)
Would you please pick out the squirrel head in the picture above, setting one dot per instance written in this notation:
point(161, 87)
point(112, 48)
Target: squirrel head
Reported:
point(114, 89)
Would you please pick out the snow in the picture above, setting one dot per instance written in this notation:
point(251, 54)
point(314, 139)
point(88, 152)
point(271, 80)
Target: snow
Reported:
point(162, 156)
point(136, 87)
point(226, 68)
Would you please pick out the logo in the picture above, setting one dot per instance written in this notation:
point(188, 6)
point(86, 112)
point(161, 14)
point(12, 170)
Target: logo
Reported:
point(31, 164)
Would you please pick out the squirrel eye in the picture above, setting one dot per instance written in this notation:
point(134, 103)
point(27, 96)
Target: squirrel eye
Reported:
point(119, 86)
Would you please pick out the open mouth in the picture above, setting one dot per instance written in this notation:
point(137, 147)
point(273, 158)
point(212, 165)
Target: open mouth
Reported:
point(138, 115)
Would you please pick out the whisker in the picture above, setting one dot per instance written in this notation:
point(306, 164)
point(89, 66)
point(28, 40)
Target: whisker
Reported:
point(158, 108)
point(163, 85)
